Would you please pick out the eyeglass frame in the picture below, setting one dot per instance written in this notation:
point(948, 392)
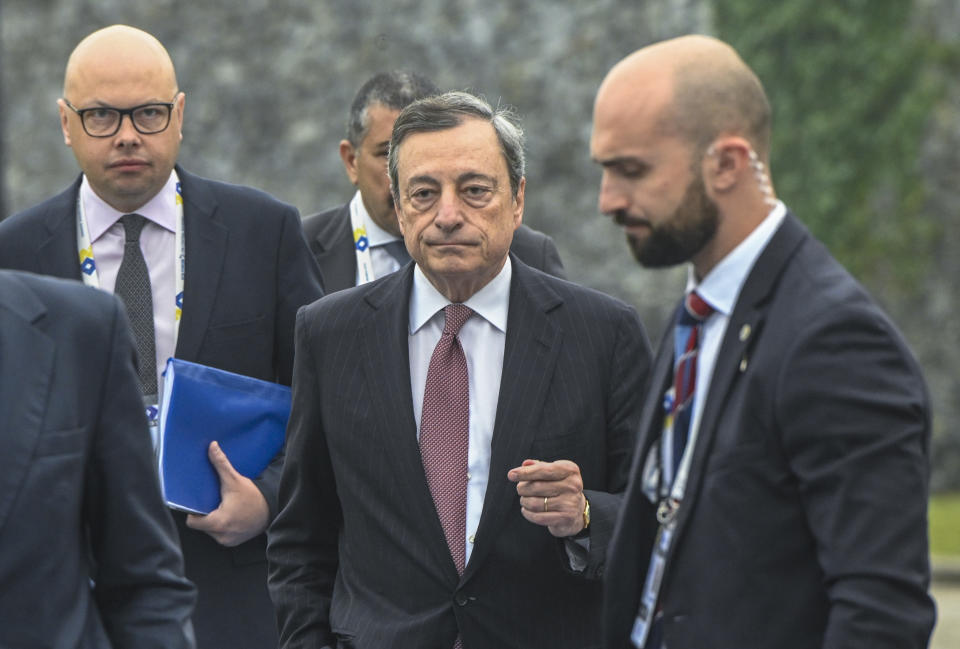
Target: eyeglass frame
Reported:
point(125, 111)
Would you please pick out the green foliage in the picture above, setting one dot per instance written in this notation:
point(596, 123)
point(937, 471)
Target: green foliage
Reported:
point(945, 525)
point(852, 91)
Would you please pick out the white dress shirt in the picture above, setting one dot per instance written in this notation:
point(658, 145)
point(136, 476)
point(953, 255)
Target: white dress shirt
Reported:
point(158, 244)
point(383, 262)
point(482, 337)
point(720, 289)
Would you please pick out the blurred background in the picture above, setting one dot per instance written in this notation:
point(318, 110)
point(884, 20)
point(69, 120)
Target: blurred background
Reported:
point(866, 148)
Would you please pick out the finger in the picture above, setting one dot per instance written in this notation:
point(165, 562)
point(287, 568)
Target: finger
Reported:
point(221, 464)
point(513, 474)
point(545, 471)
point(569, 485)
point(559, 524)
point(215, 524)
point(203, 523)
point(567, 503)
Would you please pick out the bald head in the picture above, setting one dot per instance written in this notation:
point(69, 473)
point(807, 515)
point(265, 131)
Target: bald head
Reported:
point(697, 87)
point(114, 71)
point(116, 54)
point(678, 128)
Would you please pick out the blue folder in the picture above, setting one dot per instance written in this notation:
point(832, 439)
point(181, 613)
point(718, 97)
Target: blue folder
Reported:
point(200, 404)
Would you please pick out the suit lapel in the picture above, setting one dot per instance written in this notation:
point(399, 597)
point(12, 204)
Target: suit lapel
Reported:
point(743, 330)
point(57, 248)
point(206, 247)
point(386, 358)
point(651, 417)
point(23, 393)
point(531, 348)
point(335, 252)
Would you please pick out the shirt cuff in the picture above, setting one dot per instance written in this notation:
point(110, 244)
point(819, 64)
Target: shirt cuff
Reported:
point(578, 551)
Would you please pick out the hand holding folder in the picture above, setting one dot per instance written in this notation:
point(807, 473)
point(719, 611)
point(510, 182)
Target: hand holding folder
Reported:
point(246, 416)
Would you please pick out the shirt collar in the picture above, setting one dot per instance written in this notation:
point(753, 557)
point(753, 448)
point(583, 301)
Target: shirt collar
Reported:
point(376, 235)
point(721, 287)
point(161, 209)
point(491, 302)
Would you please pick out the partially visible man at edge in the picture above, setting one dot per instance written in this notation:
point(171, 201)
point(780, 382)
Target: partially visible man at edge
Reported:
point(88, 553)
point(778, 494)
point(360, 241)
point(217, 277)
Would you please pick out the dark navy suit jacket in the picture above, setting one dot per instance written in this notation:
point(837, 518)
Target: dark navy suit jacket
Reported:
point(804, 520)
point(248, 270)
point(88, 552)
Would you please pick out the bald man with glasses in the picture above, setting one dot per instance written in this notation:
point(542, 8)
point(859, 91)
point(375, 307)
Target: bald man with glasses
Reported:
point(209, 272)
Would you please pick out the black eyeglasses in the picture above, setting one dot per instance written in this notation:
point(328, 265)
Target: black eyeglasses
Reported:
point(104, 121)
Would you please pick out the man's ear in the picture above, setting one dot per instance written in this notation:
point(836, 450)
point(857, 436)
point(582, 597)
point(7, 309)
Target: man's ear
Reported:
point(349, 156)
point(180, 104)
point(725, 163)
point(518, 204)
point(62, 106)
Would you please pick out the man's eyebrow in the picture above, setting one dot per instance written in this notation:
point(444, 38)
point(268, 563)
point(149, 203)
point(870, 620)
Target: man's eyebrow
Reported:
point(422, 179)
point(476, 175)
point(618, 161)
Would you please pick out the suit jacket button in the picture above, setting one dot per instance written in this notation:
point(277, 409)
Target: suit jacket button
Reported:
point(461, 599)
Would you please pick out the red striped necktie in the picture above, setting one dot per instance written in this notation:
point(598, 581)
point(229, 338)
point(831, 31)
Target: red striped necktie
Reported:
point(687, 331)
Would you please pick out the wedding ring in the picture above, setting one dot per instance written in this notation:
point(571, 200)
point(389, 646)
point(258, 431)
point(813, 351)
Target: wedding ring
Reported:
point(545, 503)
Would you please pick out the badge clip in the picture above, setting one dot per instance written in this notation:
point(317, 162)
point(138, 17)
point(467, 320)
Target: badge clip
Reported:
point(667, 510)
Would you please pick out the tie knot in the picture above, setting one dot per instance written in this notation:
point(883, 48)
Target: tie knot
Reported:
point(398, 250)
point(456, 315)
point(695, 310)
point(132, 225)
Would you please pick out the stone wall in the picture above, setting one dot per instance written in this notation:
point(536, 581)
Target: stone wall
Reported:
point(268, 85)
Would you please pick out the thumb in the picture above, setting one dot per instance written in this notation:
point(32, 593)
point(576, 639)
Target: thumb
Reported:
point(221, 465)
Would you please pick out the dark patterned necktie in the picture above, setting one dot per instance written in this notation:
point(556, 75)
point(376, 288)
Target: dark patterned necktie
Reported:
point(445, 431)
point(690, 319)
point(133, 287)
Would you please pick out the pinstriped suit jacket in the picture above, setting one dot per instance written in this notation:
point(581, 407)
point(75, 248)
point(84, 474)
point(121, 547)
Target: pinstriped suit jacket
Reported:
point(357, 554)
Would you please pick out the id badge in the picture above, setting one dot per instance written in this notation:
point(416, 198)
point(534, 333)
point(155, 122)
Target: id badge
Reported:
point(651, 588)
point(153, 418)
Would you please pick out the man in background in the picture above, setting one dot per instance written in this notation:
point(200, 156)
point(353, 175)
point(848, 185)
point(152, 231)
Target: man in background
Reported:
point(209, 272)
point(778, 495)
point(88, 553)
point(360, 241)
point(461, 429)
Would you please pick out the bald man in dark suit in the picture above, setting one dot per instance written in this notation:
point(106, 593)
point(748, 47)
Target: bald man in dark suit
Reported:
point(778, 496)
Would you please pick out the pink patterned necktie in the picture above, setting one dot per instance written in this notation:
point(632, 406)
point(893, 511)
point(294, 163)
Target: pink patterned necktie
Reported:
point(445, 432)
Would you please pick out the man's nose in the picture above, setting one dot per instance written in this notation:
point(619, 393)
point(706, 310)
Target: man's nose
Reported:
point(127, 133)
point(449, 210)
point(612, 197)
